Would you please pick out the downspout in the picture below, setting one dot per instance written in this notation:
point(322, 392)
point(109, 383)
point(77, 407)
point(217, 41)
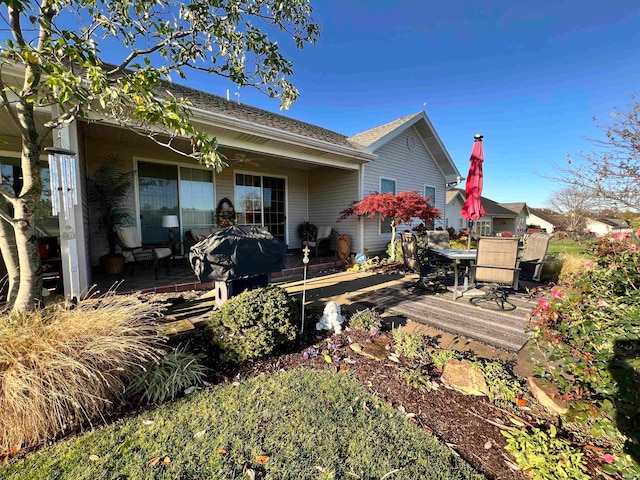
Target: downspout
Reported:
point(361, 219)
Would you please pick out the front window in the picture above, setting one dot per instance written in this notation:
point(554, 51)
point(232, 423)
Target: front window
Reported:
point(430, 193)
point(166, 189)
point(386, 186)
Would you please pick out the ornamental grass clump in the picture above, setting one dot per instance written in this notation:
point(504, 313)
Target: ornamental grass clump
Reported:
point(252, 324)
point(167, 377)
point(588, 326)
point(63, 366)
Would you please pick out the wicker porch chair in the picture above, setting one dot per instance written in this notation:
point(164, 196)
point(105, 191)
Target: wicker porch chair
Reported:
point(135, 252)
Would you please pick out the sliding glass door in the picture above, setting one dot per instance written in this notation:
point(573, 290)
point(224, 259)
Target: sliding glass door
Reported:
point(171, 190)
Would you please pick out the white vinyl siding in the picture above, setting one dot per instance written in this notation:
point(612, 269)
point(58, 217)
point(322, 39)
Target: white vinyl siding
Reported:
point(412, 170)
point(331, 190)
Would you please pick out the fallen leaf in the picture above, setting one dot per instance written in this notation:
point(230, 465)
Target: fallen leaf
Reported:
point(189, 390)
point(262, 459)
point(166, 461)
point(365, 408)
point(521, 402)
point(350, 361)
point(221, 451)
point(235, 384)
point(327, 358)
point(251, 473)
point(343, 370)
point(153, 462)
point(199, 434)
point(488, 445)
point(94, 458)
point(148, 422)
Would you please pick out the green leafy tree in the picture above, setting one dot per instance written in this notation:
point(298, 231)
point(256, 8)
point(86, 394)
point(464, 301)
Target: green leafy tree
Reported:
point(52, 63)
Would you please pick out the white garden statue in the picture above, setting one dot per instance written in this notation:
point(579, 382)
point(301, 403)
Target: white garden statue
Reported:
point(331, 318)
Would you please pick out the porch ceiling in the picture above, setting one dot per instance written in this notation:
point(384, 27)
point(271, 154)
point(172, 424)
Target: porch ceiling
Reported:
point(305, 159)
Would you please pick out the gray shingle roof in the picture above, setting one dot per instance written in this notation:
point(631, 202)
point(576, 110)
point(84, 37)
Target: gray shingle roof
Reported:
point(515, 207)
point(363, 139)
point(220, 105)
point(547, 215)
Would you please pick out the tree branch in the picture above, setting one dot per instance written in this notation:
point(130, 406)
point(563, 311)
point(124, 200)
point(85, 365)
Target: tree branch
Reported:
point(136, 53)
point(7, 106)
point(16, 28)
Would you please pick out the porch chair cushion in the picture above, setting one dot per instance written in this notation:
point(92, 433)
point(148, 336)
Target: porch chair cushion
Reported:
point(497, 265)
point(325, 233)
point(134, 251)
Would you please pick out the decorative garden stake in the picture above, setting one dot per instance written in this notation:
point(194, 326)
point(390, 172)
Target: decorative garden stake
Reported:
point(305, 260)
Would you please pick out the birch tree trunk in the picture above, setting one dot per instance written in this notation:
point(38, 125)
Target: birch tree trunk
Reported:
point(9, 254)
point(30, 289)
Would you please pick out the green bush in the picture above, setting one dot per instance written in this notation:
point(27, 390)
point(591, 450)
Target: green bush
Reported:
point(441, 357)
point(411, 345)
point(253, 323)
point(501, 382)
point(589, 328)
point(167, 377)
point(544, 456)
point(367, 320)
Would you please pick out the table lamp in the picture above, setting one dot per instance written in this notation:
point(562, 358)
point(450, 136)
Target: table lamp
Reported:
point(170, 221)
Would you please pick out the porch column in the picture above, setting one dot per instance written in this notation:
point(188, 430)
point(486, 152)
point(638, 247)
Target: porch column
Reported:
point(74, 234)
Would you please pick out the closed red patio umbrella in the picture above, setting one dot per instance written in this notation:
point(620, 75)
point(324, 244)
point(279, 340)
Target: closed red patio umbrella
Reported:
point(472, 208)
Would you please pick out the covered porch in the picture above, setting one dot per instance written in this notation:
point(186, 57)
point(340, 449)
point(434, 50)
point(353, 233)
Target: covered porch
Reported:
point(182, 278)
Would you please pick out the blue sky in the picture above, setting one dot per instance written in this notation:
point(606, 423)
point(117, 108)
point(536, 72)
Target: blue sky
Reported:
point(529, 75)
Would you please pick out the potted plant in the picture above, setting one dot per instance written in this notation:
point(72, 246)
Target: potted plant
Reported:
point(307, 231)
point(109, 189)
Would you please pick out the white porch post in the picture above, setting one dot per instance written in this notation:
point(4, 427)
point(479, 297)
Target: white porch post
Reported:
point(76, 271)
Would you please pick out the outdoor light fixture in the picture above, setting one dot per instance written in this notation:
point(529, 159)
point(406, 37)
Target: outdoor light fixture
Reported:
point(170, 222)
point(62, 172)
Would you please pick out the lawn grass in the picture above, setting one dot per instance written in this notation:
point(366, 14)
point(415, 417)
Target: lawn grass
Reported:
point(310, 424)
point(567, 245)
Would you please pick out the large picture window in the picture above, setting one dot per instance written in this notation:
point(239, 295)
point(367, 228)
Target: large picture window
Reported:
point(165, 189)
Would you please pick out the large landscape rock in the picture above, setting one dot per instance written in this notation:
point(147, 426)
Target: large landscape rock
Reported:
point(462, 376)
point(370, 350)
point(547, 396)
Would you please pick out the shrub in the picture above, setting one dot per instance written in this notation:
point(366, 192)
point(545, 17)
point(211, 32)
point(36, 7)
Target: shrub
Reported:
point(167, 377)
point(253, 323)
point(411, 345)
point(397, 244)
point(441, 357)
point(366, 320)
point(501, 382)
point(544, 456)
point(62, 366)
point(589, 329)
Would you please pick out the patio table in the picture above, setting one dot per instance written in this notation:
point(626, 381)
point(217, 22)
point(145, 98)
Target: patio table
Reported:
point(464, 256)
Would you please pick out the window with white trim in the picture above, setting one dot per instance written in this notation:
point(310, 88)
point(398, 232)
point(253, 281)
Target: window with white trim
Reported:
point(386, 186)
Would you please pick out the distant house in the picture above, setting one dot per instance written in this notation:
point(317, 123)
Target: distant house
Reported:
point(545, 219)
point(607, 226)
point(496, 219)
point(522, 213)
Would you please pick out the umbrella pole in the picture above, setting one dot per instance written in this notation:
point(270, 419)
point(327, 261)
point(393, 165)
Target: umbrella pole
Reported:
point(470, 224)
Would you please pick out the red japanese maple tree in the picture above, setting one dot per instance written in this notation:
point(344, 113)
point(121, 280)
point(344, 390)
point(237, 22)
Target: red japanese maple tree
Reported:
point(400, 208)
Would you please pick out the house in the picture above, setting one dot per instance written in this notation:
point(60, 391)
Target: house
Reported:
point(281, 173)
point(496, 219)
point(607, 226)
point(545, 219)
point(519, 226)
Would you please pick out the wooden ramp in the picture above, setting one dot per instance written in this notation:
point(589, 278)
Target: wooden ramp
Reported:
point(491, 326)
